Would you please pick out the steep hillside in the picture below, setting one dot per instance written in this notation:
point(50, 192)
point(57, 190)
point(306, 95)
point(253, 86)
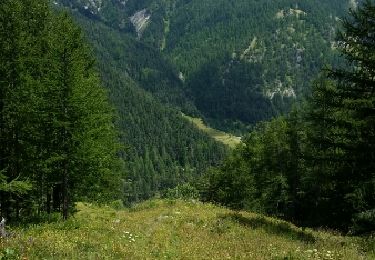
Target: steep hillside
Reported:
point(162, 149)
point(249, 60)
point(236, 61)
point(177, 230)
point(231, 63)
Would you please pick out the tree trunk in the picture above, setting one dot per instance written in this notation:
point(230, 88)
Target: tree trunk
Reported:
point(65, 209)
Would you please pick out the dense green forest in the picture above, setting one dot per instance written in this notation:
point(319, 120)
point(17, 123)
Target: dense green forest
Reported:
point(231, 63)
point(61, 139)
point(162, 148)
point(234, 63)
point(58, 141)
point(112, 128)
point(240, 64)
point(315, 166)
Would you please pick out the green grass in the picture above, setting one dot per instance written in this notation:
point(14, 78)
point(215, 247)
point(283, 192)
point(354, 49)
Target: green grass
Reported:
point(223, 137)
point(165, 229)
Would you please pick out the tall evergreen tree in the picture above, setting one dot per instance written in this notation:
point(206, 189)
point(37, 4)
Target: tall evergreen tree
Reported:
point(56, 130)
point(356, 113)
point(22, 24)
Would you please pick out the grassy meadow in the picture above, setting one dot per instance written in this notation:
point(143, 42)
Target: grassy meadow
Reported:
point(174, 229)
point(220, 136)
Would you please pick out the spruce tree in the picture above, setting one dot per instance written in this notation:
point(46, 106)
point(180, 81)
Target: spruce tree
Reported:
point(57, 136)
point(341, 130)
point(356, 116)
point(84, 144)
point(22, 24)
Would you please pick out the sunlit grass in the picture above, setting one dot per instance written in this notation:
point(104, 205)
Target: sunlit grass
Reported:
point(164, 229)
point(220, 136)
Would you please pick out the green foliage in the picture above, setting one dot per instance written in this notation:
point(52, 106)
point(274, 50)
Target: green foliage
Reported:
point(245, 60)
point(163, 149)
point(183, 191)
point(363, 222)
point(316, 166)
point(260, 175)
point(8, 254)
point(232, 63)
point(15, 187)
point(117, 204)
point(58, 141)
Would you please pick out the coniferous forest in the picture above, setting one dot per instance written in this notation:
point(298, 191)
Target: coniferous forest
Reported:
point(58, 139)
point(93, 98)
point(315, 165)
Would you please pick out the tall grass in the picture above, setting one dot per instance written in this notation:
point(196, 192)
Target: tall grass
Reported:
point(173, 229)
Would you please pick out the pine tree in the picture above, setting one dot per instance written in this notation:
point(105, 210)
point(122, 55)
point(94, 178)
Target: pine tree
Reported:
point(322, 155)
point(341, 130)
point(22, 24)
point(356, 116)
point(57, 137)
point(84, 144)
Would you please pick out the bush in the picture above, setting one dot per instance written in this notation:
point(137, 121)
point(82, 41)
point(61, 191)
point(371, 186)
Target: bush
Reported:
point(183, 191)
point(117, 204)
point(364, 222)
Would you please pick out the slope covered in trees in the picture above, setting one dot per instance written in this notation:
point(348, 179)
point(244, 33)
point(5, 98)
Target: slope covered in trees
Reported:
point(237, 62)
point(315, 166)
point(248, 60)
point(233, 63)
point(163, 149)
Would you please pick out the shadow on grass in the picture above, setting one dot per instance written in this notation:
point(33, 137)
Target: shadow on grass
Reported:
point(271, 226)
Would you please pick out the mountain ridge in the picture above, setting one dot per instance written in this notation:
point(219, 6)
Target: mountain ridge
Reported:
point(228, 53)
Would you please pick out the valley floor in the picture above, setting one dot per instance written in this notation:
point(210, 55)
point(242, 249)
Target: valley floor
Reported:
point(164, 229)
point(220, 136)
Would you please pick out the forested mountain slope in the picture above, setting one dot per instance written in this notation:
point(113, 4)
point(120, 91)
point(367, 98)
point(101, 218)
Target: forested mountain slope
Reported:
point(236, 61)
point(162, 149)
point(233, 63)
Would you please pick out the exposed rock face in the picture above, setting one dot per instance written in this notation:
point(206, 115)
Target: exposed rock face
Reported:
point(94, 6)
point(181, 76)
point(140, 20)
point(255, 52)
point(281, 90)
point(123, 2)
point(291, 12)
point(353, 4)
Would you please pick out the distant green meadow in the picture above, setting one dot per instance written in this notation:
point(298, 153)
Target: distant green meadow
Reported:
point(220, 136)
